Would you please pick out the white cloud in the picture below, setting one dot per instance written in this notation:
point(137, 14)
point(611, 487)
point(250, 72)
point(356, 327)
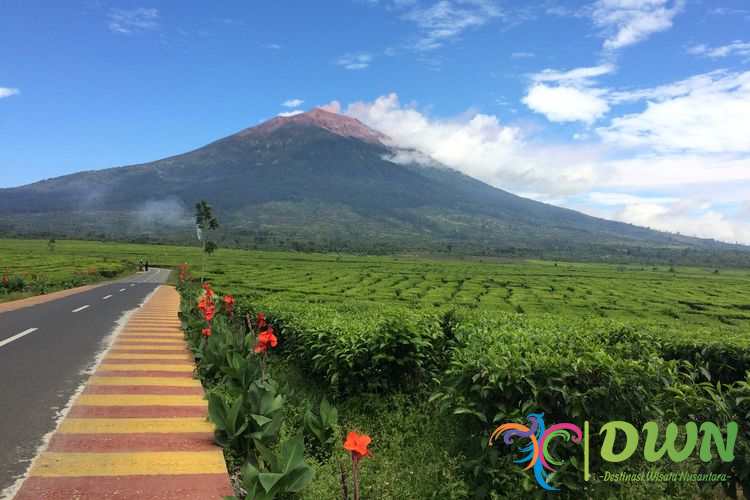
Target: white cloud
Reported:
point(522, 55)
point(127, 22)
point(573, 99)
point(682, 173)
point(291, 113)
point(480, 146)
point(332, 107)
point(7, 92)
point(738, 47)
point(293, 103)
point(705, 114)
point(564, 104)
point(626, 22)
point(691, 216)
point(274, 46)
point(578, 77)
point(447, 19)
point(360, 60)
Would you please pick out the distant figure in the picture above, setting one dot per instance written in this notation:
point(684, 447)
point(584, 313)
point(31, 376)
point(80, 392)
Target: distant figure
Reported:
point(140, 265)
point(146, 265)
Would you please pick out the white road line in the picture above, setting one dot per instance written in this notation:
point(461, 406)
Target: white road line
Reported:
point(122, 289)
point(106, 297)
point(17, 336)
point(133, 284)
point(80, 309)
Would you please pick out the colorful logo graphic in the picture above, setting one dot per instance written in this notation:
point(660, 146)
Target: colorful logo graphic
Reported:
point(538, 457)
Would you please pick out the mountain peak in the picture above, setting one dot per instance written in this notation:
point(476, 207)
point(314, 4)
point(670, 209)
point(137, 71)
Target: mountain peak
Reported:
point(335, 123)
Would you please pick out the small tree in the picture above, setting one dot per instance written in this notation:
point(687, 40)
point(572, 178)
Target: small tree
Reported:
point(205, 221)
point(51, 245)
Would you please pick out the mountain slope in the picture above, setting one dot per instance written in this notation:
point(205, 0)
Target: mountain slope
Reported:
point(316, 180)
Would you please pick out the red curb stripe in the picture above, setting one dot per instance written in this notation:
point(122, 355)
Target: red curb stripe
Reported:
point(88, 443)
point(143, 389)
point(142, 373)
point(83, 411)
point(176, 486)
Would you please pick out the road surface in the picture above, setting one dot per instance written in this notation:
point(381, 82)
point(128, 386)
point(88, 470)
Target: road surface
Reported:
point(46, 352)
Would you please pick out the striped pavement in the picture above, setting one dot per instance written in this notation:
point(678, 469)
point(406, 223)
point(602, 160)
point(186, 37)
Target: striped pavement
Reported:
point(138, 429)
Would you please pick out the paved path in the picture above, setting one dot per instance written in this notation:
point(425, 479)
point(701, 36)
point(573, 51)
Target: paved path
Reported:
point(138, 429)
point(48, 348)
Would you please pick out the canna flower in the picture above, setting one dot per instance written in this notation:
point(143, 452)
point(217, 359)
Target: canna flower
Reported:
point(203, 304)
point(264, 339)
point(230, 303)
point(182, 276)
point(357, 444)
point(206, 332)
point(206, 285)
point(261, 320)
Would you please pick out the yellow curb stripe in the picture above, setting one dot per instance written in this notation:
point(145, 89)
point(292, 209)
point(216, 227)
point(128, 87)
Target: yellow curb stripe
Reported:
point(147, 356)
point(140, 400)
point(146, 367)
point(147, 381)
point(153, 340)
point(128, 463)
point(141, 347)
point(134, 425)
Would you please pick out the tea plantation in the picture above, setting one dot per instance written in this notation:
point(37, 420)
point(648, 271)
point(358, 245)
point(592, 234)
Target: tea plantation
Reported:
point(428, 357)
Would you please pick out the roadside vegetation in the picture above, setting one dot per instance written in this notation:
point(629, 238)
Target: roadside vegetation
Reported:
point(428, 357)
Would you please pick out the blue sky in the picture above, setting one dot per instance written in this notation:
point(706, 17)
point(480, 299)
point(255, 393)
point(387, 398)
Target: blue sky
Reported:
point(637, 110)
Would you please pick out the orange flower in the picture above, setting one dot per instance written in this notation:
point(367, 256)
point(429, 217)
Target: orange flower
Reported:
point(357, 444)
point(264, 339)
point(230, 303)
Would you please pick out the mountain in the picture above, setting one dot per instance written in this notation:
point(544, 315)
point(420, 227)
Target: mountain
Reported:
point(323, 181)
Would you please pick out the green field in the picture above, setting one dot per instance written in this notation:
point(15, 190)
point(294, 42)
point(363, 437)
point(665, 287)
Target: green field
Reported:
point(428, 356)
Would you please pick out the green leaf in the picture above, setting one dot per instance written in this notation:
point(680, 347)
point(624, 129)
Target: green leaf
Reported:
point(269, 479)
point(260, 419)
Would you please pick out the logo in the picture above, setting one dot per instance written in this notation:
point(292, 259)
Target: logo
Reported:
point(539, 458)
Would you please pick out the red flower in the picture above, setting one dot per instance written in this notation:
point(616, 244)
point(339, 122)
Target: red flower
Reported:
point(203, 304)
point(357, 444)
point(230, 302)
point(206, 332)
point(209, 293)
point(261, 320)
point(206, 285)
point(182, 276)
point(264, 339)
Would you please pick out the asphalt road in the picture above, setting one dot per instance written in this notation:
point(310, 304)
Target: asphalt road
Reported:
point(45, 353)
